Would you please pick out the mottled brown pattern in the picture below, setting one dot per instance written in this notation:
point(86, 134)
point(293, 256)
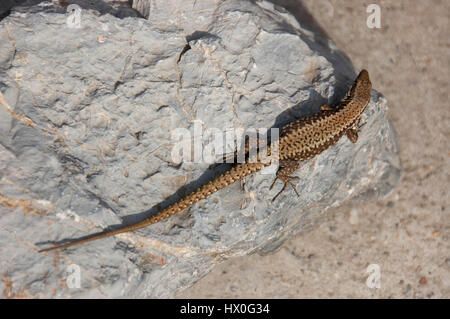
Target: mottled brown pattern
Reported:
point(299, 140)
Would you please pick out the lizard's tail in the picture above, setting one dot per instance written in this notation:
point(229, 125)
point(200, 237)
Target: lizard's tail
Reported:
point(235, 173)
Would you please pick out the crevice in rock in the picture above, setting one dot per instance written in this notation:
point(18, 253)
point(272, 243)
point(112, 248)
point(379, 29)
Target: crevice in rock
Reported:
point(198, 35)
point(186, 48)
point(5, 14)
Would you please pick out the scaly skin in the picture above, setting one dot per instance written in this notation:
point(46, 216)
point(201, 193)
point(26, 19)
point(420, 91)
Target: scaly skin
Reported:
point(299, 140)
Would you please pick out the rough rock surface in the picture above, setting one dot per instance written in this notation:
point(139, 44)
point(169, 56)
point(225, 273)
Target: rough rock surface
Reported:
point(86, 116)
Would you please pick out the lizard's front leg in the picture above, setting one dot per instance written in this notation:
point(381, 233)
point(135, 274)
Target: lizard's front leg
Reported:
point(286, 168)
point(352, 132)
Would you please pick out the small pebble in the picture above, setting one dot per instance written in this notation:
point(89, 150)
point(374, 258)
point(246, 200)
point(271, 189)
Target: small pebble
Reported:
point(423, 280)
point(353, 219)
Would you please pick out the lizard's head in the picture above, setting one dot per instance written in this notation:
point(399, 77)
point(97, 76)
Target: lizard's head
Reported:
point(362, 82)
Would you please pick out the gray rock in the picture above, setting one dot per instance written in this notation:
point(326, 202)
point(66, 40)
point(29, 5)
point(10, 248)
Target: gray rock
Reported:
point(86, 116)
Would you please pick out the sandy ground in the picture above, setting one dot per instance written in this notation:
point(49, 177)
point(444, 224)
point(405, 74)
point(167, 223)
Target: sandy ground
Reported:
point(406, 234)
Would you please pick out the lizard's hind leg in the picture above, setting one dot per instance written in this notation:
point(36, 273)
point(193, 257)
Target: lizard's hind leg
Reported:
point(285, 169)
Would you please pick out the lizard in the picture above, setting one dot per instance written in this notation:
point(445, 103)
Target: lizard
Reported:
point(299, 140)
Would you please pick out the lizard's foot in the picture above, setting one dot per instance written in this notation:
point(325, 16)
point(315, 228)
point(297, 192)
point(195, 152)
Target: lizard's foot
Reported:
point(287, 181)
point(287, 167)
point(326, 108)
point(353, 132)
